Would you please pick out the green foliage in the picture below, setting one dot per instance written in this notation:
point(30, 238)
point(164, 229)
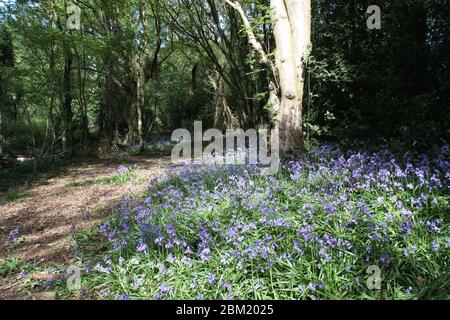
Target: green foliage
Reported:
point(9, 266)
point(381, 83)
point(20, 133)
point(388, 83)
point(117, 178)
point(13, 196)
point(121, 178)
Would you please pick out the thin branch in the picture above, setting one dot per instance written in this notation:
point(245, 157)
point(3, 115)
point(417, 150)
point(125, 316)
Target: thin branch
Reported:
point(252, 40)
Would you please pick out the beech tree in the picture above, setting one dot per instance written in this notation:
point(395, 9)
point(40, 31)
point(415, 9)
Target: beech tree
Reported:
point(291, 23)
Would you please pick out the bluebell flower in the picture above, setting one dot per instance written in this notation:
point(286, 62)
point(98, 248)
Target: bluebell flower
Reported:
point(12, 235)
point(435, 246)
point(212, 279)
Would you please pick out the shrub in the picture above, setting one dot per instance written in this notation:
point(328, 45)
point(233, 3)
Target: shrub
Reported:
point(18, 135)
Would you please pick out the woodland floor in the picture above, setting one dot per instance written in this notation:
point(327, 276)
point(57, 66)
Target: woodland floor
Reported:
point(53, 209)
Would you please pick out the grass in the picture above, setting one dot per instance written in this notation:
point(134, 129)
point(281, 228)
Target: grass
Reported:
point(10, 266)
point(22, 272)
point(13, 196)
point(119, 178)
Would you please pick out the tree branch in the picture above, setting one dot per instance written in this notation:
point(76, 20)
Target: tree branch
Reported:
point(254, 43)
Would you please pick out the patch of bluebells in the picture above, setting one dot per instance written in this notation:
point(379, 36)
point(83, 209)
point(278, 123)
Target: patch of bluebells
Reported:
point(12, 236)
point(164, 291)
point(121, 169)
point(336, 212)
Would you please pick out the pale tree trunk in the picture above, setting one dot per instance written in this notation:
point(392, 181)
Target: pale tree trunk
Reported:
point(292, 31)
point(291, 22)
point(300, 19)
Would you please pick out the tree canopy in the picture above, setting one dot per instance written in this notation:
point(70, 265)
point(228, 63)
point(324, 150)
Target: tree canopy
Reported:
point(134, 70)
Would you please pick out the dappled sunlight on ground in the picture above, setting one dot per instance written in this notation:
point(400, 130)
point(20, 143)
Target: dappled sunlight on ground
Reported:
point(56, 208)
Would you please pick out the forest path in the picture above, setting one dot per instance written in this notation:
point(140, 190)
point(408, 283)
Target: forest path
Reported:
point(54, 209)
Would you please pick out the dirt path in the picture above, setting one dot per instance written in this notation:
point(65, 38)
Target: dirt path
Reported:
point(55, 208)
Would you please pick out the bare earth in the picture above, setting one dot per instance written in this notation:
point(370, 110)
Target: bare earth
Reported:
point(55, 208)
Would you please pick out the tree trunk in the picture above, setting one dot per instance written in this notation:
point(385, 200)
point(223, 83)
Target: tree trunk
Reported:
point(81, 61)
point(107, 116)
point(291, 20)
point(140, 110)
point(52, 64)
point(2, 106)
point(292, 32)
point(223, 116)
point(2, 139)
point(50, 118)
point(140, 60)
point(67, 103)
